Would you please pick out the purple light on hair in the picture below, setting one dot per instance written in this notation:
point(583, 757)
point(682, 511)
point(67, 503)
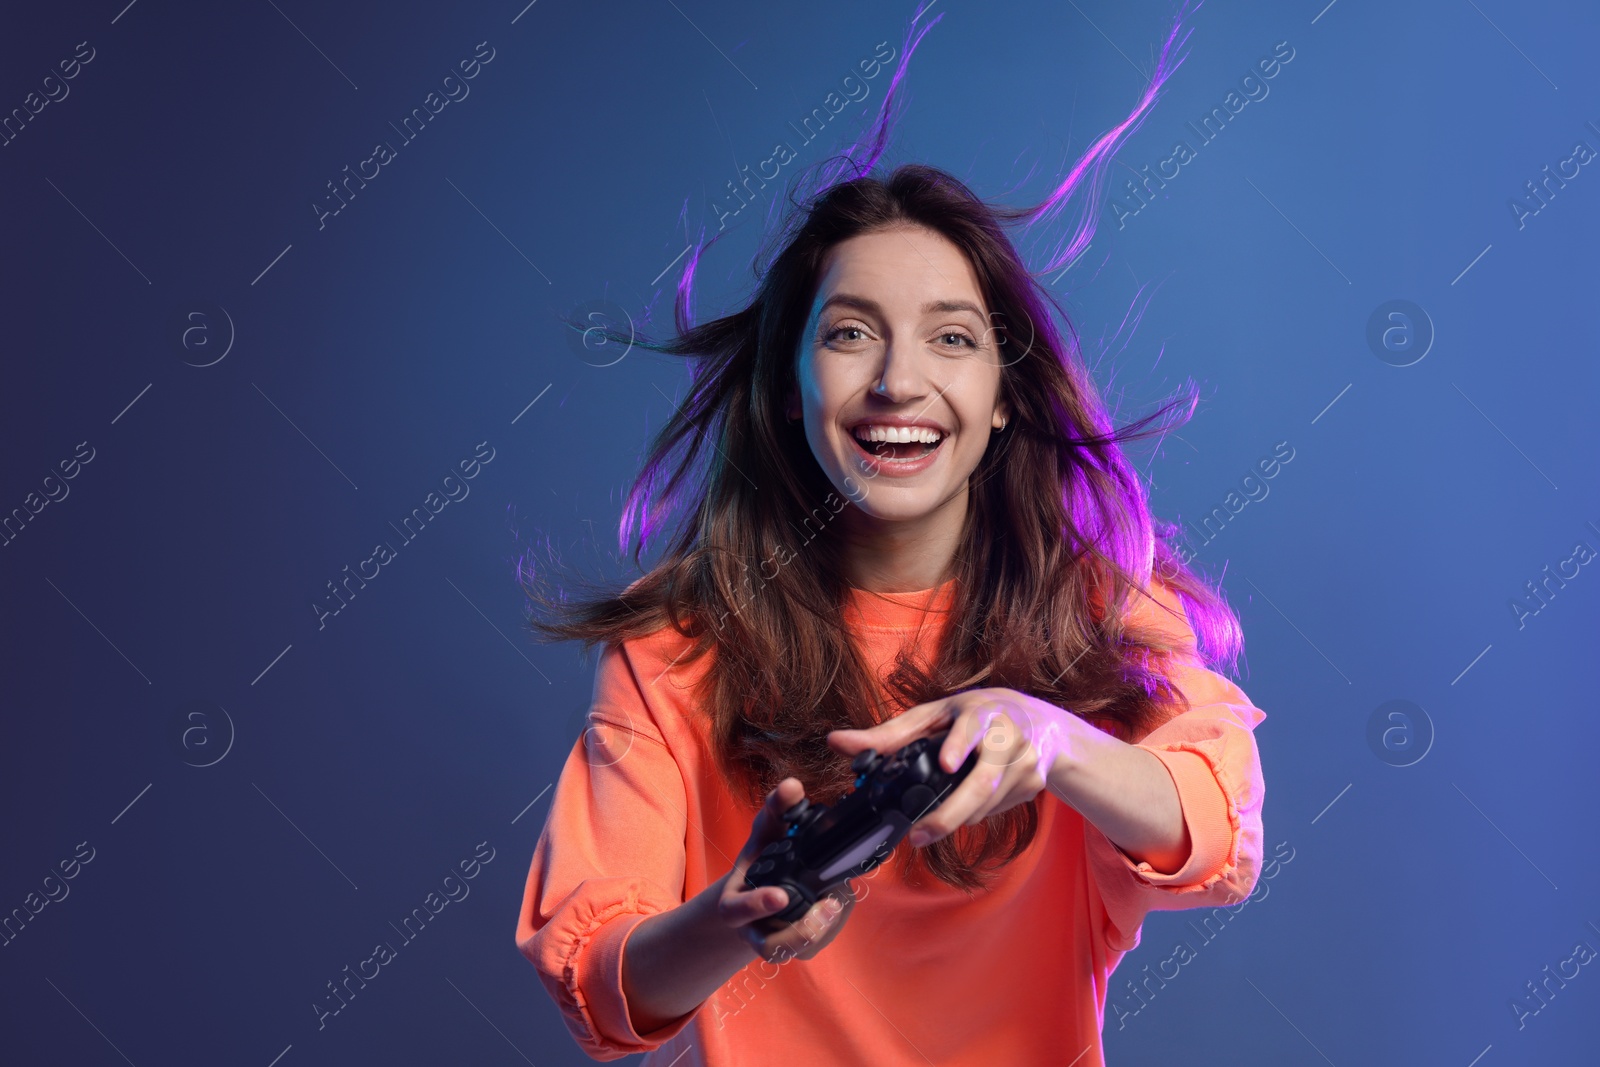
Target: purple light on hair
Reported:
point(847, 165)
point(643, 510)
point(1094, 162)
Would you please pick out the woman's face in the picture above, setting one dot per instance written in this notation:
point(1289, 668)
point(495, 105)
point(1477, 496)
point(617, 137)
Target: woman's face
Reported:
point(899, 374)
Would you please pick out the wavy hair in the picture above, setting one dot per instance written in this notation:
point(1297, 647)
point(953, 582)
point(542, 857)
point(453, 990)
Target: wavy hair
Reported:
point(1058, 539)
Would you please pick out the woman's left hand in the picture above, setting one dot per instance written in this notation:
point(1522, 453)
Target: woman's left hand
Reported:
point(1021, 740)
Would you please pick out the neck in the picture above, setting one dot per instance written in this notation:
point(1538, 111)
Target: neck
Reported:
point(902, 555)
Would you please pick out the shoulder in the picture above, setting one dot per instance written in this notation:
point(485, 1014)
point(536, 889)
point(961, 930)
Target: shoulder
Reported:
point(1155, 611)
point(1158, 609)
point(647, 684)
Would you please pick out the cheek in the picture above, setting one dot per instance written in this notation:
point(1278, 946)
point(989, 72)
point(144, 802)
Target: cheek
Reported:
point(833, 456)
point(823, 394)
point(826, 383)
point(983, 386)
point(822, 450)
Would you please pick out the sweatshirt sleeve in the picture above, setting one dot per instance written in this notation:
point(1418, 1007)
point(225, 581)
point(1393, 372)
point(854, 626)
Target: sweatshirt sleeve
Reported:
point(1210, 751)
point(610, 855)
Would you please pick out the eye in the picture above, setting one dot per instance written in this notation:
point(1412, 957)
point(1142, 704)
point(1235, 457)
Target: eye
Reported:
point(838, 334)
point(956, 339)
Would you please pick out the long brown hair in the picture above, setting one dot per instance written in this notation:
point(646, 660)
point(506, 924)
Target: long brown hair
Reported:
point(1058, 537)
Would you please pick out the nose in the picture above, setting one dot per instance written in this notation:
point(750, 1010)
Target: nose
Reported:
point(902, 377)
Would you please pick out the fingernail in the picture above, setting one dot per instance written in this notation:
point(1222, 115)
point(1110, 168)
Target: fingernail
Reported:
point(919, 838)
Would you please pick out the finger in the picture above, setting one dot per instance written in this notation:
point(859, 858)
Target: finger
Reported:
point(819, 916)
point(1001, 731)
point(975, 794)
point(841, 897)
point(969, 727)
point(770, 945)
point(739, 907)
point(847, 904)
point(769, 823)
point(823, 921)
point(890, 735)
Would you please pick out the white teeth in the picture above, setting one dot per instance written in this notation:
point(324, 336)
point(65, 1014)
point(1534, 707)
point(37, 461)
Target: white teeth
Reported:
point(903, 435)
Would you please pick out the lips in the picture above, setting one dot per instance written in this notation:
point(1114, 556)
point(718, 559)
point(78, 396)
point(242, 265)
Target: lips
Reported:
point(896, 459)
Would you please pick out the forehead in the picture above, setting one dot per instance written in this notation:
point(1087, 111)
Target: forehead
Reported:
point(905, 267)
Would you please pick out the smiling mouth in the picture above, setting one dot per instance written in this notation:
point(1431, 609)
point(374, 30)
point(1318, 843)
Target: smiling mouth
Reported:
point(897, 452)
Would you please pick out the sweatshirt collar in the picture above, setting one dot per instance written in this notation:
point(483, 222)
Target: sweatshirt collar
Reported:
point(897, 611)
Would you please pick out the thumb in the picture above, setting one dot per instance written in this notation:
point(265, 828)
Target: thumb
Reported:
point(768, 822)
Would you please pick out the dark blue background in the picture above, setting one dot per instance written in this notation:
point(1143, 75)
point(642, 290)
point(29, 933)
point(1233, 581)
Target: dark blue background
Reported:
point(376, 352)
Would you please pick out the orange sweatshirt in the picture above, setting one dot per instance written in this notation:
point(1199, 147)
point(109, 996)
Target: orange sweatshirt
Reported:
point(641, 821)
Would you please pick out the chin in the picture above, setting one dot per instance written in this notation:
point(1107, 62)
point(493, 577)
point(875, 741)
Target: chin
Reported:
point(898, 503)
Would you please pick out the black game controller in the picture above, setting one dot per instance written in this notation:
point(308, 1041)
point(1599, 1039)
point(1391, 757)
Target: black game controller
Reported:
point(826, 845)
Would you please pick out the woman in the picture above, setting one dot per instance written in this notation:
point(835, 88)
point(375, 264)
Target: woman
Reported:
point(916, 517)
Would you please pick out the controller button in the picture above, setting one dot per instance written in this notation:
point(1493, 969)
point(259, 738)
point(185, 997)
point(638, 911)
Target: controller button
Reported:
point(799, 809)
point(762, 867)
point(780, 848)
point(915, 801)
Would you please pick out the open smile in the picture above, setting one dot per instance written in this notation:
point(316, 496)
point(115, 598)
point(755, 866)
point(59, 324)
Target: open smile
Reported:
point(897, 458)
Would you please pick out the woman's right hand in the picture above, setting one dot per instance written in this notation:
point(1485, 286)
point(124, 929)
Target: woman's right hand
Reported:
point(748, 911)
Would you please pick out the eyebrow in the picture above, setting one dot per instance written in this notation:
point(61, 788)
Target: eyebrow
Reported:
point(861, 303)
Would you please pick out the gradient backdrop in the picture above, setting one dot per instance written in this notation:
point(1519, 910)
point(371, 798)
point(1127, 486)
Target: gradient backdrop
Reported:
point(249, 391)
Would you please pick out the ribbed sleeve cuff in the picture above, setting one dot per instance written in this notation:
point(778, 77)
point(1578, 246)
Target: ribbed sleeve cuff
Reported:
point(600, 976)
point(1206, 812)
